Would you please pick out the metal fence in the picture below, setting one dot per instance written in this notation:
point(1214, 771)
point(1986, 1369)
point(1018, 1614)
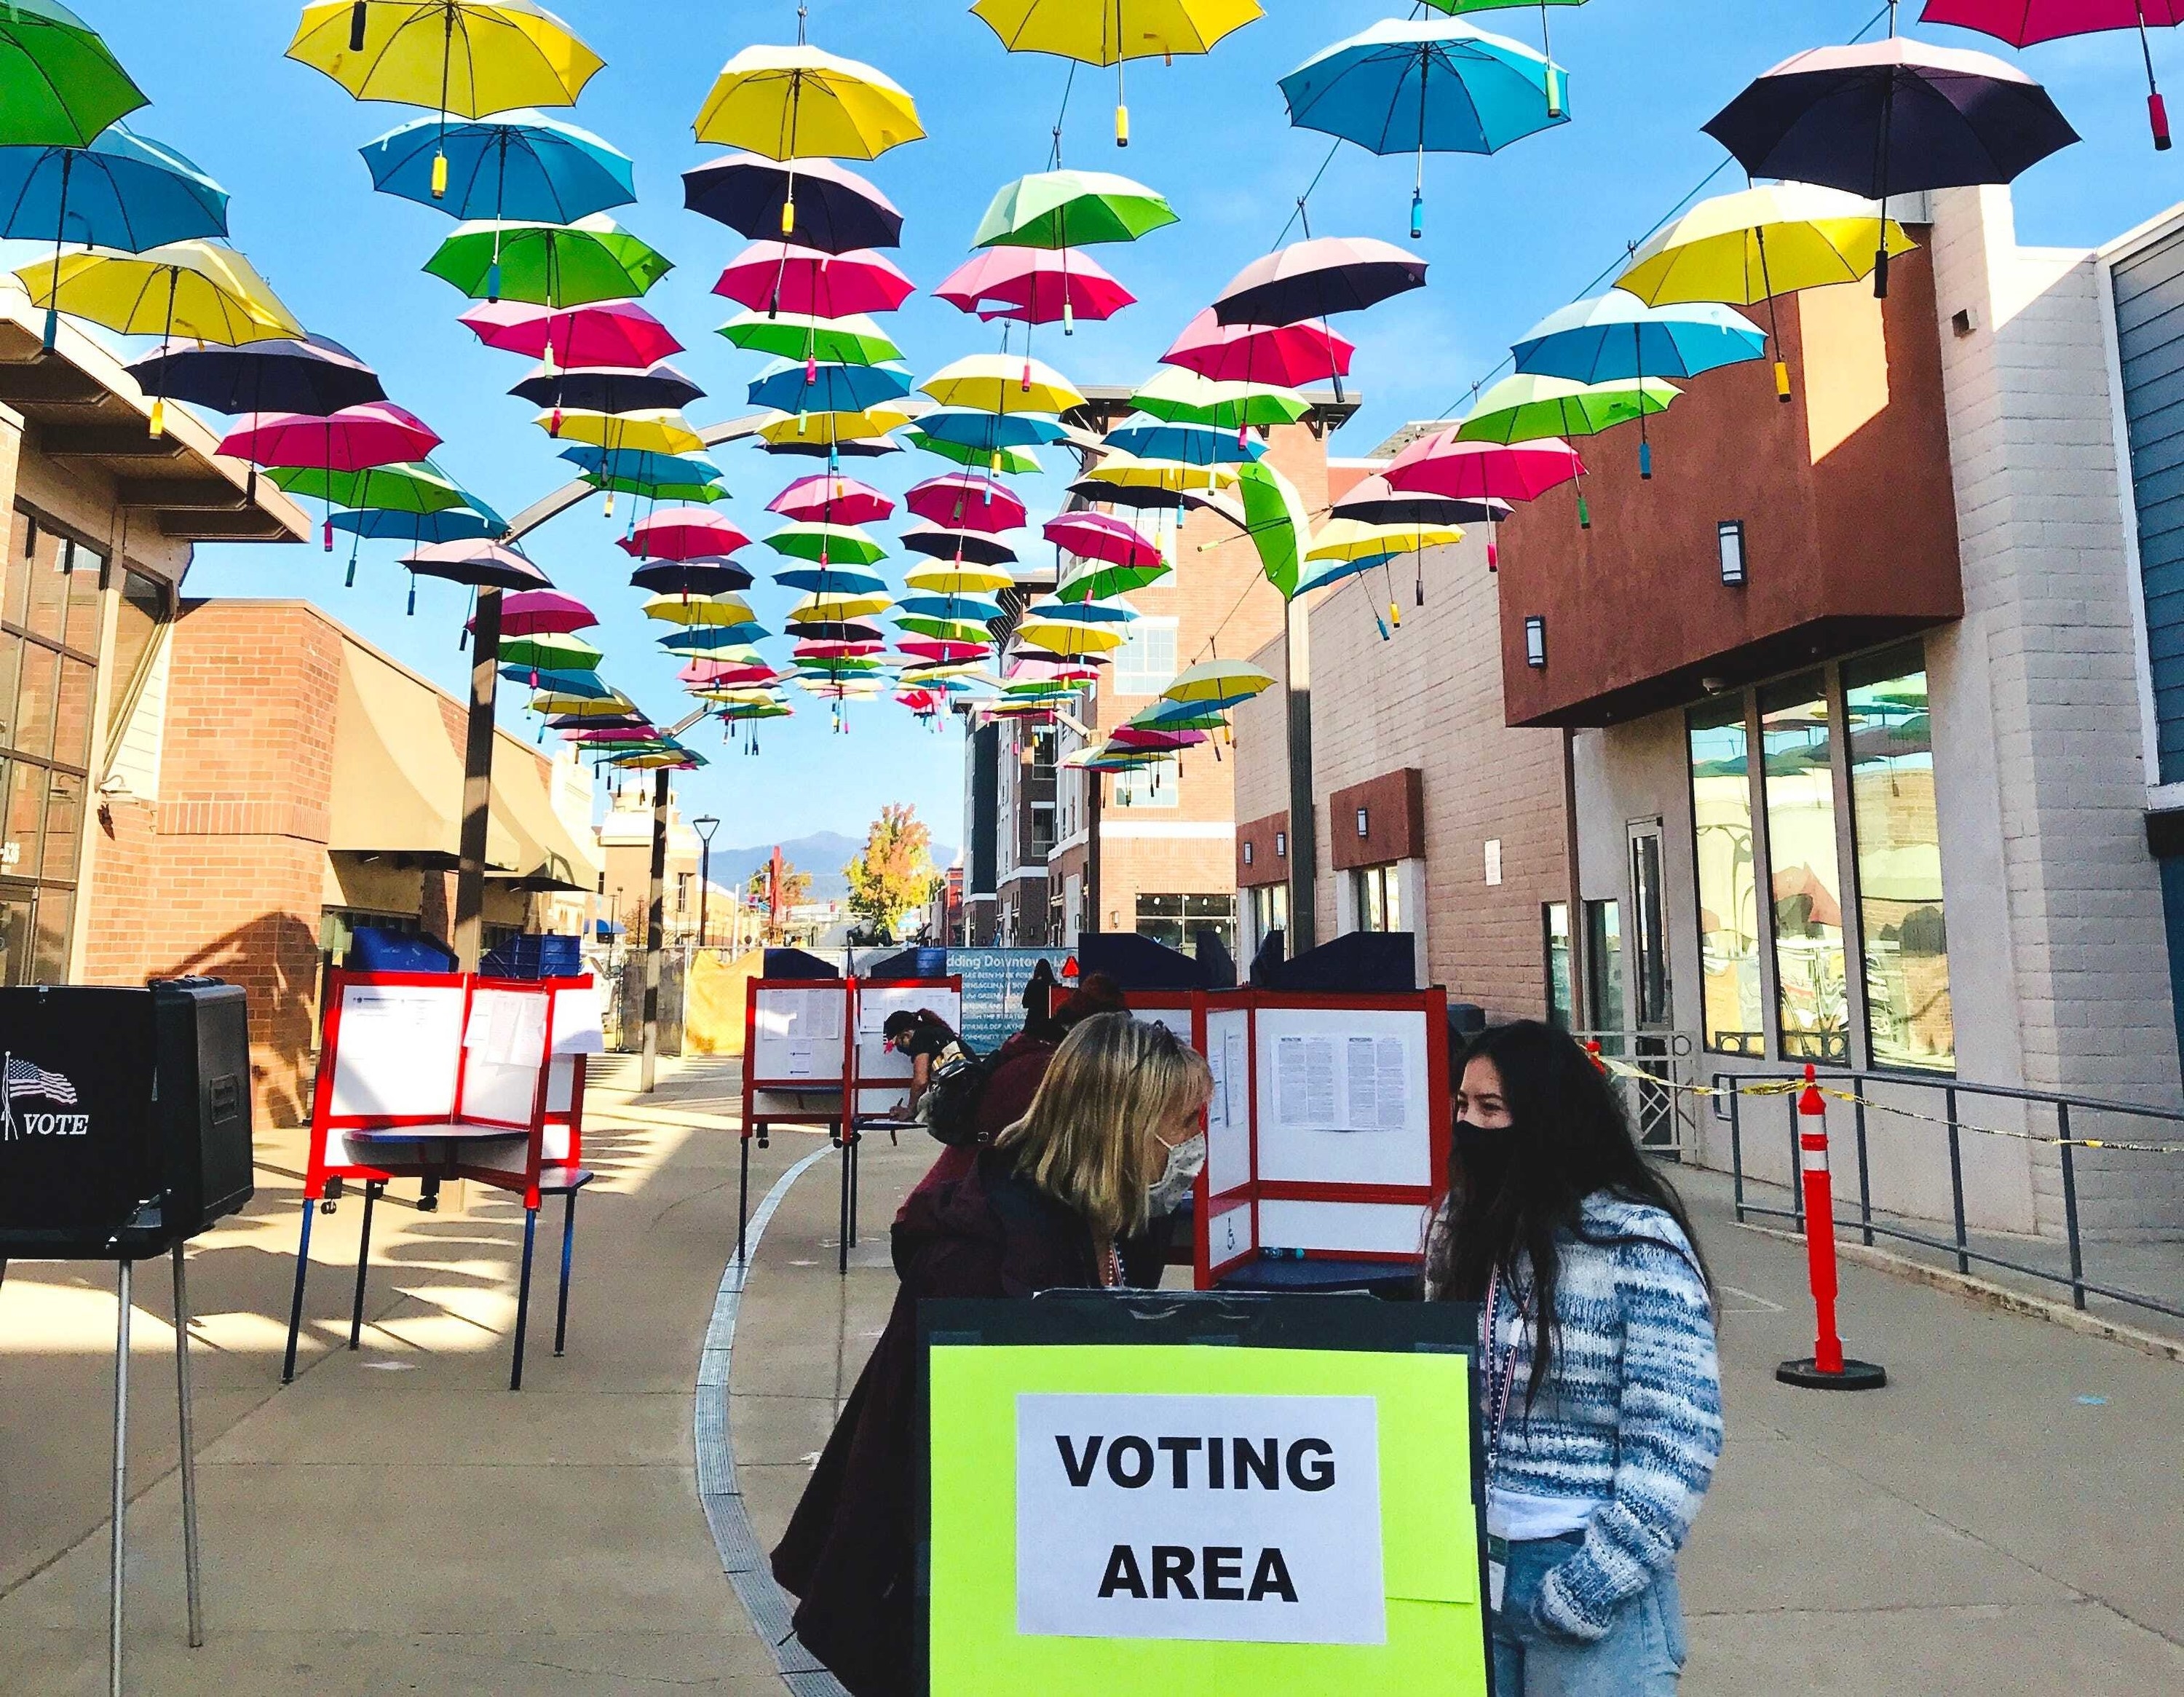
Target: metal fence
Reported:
point(1662, 1105)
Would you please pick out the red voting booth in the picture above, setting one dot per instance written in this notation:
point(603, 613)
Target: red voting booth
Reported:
point(433, 1075)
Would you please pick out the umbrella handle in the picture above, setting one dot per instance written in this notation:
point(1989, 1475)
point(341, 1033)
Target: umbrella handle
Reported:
point(447, 67)
point(359, 21)
point(2157, 109)
point(60, 235)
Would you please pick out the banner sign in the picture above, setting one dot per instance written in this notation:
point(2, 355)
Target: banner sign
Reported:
point(1296, 1511)
point(993, 981)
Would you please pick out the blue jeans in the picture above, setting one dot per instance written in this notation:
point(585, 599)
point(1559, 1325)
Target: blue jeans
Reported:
point(1641, 1656)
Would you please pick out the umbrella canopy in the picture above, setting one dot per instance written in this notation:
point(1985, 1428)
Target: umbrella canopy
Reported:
point(982, 429)
point(575, 682)
point(831, 580)
point(1424, 85)
point(1352, 540)
point(616, 333)
point(855, 340)
point(543, 612)
point(774, 277)
point(962, 609)
point(1218, 685)
point(683, 533)
point(1000, 383)
point(548, 650)
point(1275, 520)
point(800, 385)
point(521, 164)
point(952, 579)
point(1034, 286)
point(608, 389)
point(814, 202)
point(1374, 502)
point(638, 465)
point(788, 102)
point(832, 498)
point(353, 439)
point(1892, 117)
point(963, 546)
point(1444, 464)
point(1311, 279)
point(1015, 461)
point(1288, 355)
point(549, 265)
point(124, 191)
point(196, 289)
point(839, 606)
point(1104, 538)
point(654, 430)
point(967, 501)
point(64, 84)
point(482, 565)
point(1144, 497)
point(2022, 23)
point(1071, 210)
point(834, 435)
point(1180, 397)
point(469, 56)
point(720, 610)
point(1115, 30)
point(1118, 474)
point(1617, 335)
point(690, 577)
point(825, 544)
point(412, 486)
point(1059, 635)
point(1526, 408)
point(314, 375)
point(703, 641)
point(388, 524)
point(1191, 444)
point(1749, 246)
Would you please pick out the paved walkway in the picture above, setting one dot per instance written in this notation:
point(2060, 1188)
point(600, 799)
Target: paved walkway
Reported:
point(2002, 1519)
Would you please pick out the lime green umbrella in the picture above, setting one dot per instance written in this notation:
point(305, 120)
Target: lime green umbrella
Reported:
point(834, 544)
point(1527, 407)
point(1280, 528)
point(855, 340)
point(1181, 397)
point(1014, 461)
point(63, 85)
point(1071, 210)
point(553, 265)
point(416, 485)
point(550, 651)
point(704, 493)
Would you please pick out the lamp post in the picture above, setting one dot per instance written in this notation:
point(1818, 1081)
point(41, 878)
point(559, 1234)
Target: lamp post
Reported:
point(705, 825)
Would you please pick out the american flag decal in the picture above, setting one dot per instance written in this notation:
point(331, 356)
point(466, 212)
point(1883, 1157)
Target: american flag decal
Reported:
point(24, 1079)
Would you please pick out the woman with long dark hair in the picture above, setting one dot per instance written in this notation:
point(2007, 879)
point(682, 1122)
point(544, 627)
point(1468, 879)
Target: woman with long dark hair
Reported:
point(1600, 1380)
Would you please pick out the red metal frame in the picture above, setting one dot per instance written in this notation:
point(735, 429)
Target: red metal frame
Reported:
point(858, 987)
point(755, 1123)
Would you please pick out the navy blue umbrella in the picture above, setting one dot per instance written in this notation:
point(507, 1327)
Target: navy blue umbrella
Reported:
point(316, 375)
point(813, 203)
point(690, 577)
point(609, 389)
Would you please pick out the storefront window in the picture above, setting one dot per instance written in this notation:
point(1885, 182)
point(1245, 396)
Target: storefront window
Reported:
point(1159, 784)
point(1603, 960)
point(1270, 909)
point(1909, 1016)
point(1555, 919)
point(1176, 920)
point(1377, 899)
point(1805, 881)
point(1729, 889)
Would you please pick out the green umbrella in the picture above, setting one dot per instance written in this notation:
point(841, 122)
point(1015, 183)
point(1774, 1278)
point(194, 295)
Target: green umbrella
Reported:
point(63, 85)
point(1181, 397)
point(1100, 579)
point(553, 265)
point(1280, 528)
point(1071, 210)
point(414, 486)
point(945, 630)
point(550, 651)
point(1015, 461)
point(852, 341)
point(1527, 407)
point(704, 493)
point(836, 544)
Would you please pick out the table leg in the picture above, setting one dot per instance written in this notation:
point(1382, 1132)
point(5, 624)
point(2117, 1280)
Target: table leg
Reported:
point(296, 1304)
point(523, 1295)
point(742, 1199)
point(118, 1547)
point(363, 1261)
point(568, 1252)
point(856, 1162)
point(191, 1567)
point(842, 1210)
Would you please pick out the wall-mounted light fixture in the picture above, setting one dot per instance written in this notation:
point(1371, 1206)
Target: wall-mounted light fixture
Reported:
point(1281, 845)
point(1364, 823)
point(1732, 553)
point(1247, 851)
point(1536, 641)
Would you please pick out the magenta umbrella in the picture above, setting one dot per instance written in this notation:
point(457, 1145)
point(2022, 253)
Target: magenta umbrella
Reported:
point(1104, 538)
point(778, 277)
point(1035, 286)
point(618, 336)
point(542, 613)
point(1163, 741)
point(830, 498)
point(1289, 356)
point(939, 653)
point(1445, 465)
point(353, 439)
point(683, 533)
point(966, 501)
point(2023, 23)
point(725, 675)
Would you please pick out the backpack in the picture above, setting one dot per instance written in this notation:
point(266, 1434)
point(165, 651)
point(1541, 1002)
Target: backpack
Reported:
point(950, 1107)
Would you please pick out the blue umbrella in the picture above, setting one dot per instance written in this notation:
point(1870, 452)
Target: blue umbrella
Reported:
point(1618, 335)
point(1187, 445)
point(700, 640)
point(451, 525)
point(968, 427)
point(813, 386)
point(971, 609)
point(1431, 85)
point(520, 165)
point(636, 465)
point(585, 685)
point(831, 580)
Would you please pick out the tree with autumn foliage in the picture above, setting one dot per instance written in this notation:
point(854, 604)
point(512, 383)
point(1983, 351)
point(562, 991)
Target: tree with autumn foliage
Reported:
point(795, 888)
point(895, 874)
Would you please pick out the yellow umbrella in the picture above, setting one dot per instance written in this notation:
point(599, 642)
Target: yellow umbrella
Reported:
point(953, 579)
point(868, 426)
point(661, 431)
point(1001, 383)
point(1128, 471)
point(727, 608)
point(1349, 539)
point(613, 706)
point(197, 290)
point(1219, 684)
point(468, 57)
point(1066, 636)
point(1113, 31)
point(796, 102)
point(1751, 246)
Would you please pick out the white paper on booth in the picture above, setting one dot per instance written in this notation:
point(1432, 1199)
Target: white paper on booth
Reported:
point(399, 1047)
point(507, 1027)
point(579, 1022)
point(802, 1059)
point(1236, 1046)
point(1376, 1085)
point(1305, 1083)
point(820, 1015)
point(1216, 1110)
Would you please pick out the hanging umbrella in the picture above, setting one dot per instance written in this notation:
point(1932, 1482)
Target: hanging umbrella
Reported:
point(997, 383)
point(1350, 541)
point(1114, 31)
point(548, 650)
point(1892, 117)
point(1529, 407)
point(616, 333)
point(1103, 538)
point(952, 578)
point(1218, 685)
point(960, 546)
point(640, 466)
point(654, 489)
point(829, 580)
point(812, 202)
point(549, 265)
point(802, 386)
point(1154, 740)
point(1191, 444)
point(196, 289)
point(1094, 581)
point(1179, 396)
point(353, 439)
point(774, 277)
point(543, 612)
point(855, 340)
point(1070, 636)
point(956, 610)
point(1744, 248)
point(449, 525)
point(1422, 85)
point(832, 498)
point(521, 165)
point(839, 606)
point(700, 641)
point(834, 436)
point(1071, 210)
point(788, 102)
point(577, 681)
point(412, 486)
point(655, 431)
point(1311, 279)
point(1445, 464)
point(1144, 497)
point(681, 533)
point(1015, 461)
point(482, 565)
point(314, 375)
point(967, 501)
point(1373, 501)
point(608, 388)
point(2026, 23)
point(1288, 355)
point(825, 544)
point(1125, 478)
point(470, 57)
point(1035, 286)
point(982, 431)
point(727, 609)
point(1275, 520)
point(64, 84)
point(690, 577)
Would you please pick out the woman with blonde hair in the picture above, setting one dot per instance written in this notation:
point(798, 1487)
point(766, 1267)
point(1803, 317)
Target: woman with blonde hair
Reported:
point(1115, 1118)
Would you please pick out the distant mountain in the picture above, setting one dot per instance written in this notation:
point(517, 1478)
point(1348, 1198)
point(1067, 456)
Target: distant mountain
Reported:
point(822, 854)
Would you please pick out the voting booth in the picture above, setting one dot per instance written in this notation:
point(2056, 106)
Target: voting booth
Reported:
point(1327, 1137)
point(433, 1075)
point(1262, 1496)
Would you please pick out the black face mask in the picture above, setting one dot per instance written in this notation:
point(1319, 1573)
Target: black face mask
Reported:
point(1481, 1158)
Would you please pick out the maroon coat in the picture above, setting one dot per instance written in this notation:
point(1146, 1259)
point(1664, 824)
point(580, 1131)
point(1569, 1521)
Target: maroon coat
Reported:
point(1019, 1066)
point(850, 1552)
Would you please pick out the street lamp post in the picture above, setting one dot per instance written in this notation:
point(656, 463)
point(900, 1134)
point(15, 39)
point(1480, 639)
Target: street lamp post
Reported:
point(705, 825)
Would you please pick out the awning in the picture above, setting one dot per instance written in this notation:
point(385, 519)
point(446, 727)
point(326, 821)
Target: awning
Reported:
point(550, 856)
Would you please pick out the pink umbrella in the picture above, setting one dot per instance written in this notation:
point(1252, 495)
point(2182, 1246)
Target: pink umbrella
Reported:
point(540, 613)
point(617, 335)
point(966, 501)
point(837, 651)
point(830, 498)
point(1443, 465)
point(683, 533)
point(945, 654)
point(778, 277)
point(614, 733)
point(1288, 355)
point(353, 439)
point(725, 675)
point(1035, 286)
point(2022, 23)
point(1129, 737)
point(1102, 537)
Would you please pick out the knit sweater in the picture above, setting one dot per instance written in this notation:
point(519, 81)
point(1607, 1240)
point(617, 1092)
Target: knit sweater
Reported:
point(1630, 1413)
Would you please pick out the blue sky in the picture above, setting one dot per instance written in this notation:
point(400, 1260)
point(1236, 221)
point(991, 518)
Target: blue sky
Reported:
point(1508, 238)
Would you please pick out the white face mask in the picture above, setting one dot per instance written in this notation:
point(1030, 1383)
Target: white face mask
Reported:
point(1183, 1161)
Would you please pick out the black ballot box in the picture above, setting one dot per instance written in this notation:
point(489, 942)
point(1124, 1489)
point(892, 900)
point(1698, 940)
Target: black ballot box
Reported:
point(124, 1117)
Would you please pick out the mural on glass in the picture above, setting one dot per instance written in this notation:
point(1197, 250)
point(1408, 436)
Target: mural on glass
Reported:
point(1805, 879)
point(1729, 891)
